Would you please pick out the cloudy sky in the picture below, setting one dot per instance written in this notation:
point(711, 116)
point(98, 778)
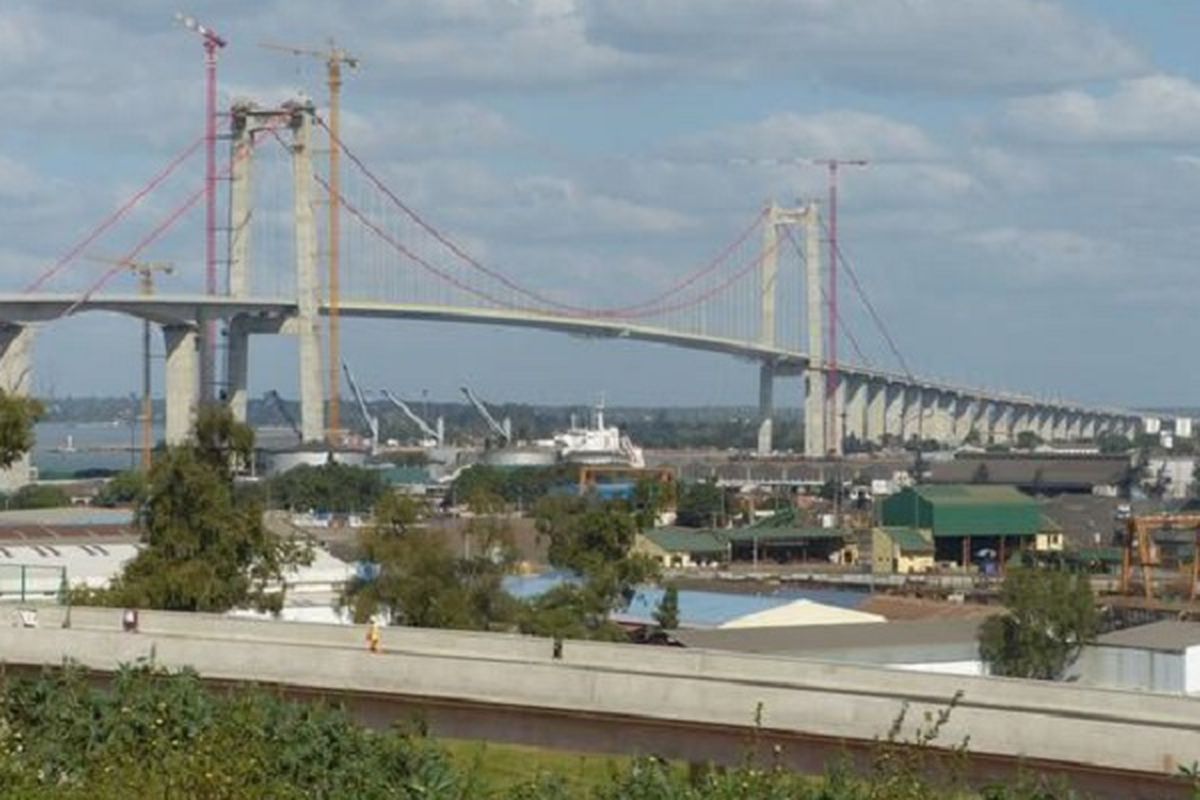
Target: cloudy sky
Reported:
point(1027, 219)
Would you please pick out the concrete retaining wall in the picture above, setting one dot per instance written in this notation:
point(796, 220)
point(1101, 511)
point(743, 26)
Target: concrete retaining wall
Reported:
point(1010, 718)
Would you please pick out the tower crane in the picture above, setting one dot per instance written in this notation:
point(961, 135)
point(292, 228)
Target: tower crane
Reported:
point(503, 431)
point(281, 407)
point(334, 59)
point(372, 421)
point(144, 270)
point(438, 435)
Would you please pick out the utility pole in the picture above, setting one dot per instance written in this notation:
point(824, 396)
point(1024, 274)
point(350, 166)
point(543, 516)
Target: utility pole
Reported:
point(334, 58)
point(831, 375)
point(212, 42)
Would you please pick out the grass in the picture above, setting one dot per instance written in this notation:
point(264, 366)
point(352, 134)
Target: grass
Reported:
point(502, 766)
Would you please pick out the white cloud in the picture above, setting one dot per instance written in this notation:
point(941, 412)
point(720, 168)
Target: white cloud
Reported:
point(1046, 255)
point(923, 44)
point(1157, 109)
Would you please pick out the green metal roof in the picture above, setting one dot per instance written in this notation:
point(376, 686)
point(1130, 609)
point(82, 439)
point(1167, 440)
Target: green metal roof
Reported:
point(910, 540)
point(686, 540)
point(791, 534)
point(964, 510)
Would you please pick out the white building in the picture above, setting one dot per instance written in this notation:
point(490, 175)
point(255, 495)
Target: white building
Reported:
point(1159, 657)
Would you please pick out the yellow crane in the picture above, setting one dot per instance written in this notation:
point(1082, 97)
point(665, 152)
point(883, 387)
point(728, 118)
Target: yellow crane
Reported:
point(144, 270)
point(334, 58)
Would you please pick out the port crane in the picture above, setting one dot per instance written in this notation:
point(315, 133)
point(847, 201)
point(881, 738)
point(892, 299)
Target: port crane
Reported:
point(436, 436)
point(371, 420)
point(503, 431)
point(281, 407)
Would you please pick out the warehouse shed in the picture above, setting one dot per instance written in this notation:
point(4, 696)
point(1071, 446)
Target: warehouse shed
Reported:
point(969, 523)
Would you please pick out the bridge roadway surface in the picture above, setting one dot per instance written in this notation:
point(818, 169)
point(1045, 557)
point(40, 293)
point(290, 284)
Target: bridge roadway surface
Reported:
point(182, 309)
point(681, 704)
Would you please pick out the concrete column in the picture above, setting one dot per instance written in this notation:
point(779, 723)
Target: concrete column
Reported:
point(237, 368)
point(815, 439)
point(838, 417)
point(1088, 426)
point(768, 276)
point(241, 199)
point(876, 427)
point(16, 378)
point(181, 378)
point(1074, 426)
point(941, 425)
point(814, 413)
point(856, 406)
point(308, 286)
point(1060, 425)
point(966, 411)
point(893, 415)
point(1045, 423)
point(1002, 423)
point(766, 407)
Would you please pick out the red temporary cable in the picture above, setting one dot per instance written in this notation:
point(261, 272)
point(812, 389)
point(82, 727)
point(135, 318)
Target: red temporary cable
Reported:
point(112, 218)
point(503, 279)
point(123, 263)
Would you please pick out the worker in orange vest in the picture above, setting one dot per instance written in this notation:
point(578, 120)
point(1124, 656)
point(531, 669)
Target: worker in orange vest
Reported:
point(373, 637)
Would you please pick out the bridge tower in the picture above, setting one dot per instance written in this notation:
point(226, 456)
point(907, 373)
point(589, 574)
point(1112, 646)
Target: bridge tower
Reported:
point(307, 323)
point(16, 377)
point(768, 329)
point(241, 196)
point(815, 417)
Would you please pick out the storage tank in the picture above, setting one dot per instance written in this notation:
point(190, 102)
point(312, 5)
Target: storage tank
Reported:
point(318, 455)
point(519, 457)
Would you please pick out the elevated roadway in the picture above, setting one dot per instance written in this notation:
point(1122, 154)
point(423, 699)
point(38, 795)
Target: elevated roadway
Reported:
point(689, 704)
point(187, 309)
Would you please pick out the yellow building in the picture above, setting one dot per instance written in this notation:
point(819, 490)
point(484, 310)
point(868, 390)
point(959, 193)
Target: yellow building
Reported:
point(682, 547)
point(901, 550)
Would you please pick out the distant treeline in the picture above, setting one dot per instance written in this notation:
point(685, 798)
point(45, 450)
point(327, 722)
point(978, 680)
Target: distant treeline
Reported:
point(701, 426)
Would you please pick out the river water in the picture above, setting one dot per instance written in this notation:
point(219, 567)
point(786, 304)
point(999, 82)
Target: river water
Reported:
point(65, 447)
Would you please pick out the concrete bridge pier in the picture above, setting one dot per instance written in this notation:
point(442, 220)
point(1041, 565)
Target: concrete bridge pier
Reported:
point(1088, 426)
point(855, 393)
point(815, 445)
point(237, 368)
point(16, 378)
point(893, 415)
point(876, 421)
point(182, 386)
point(766, 408)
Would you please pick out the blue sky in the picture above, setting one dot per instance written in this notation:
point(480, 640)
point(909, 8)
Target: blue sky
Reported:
point(1028, 219)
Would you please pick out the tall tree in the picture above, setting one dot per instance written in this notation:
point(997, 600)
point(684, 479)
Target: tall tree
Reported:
point(203, 550)
point(1050, 614)
point(701, 504)
point(414, 578)
point(18, 415)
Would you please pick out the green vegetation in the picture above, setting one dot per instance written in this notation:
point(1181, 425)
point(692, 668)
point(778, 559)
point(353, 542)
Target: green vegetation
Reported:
point(519, 486)
point(667, 613)
point(204, 549)
point(419, 582)
point(701, 505)
point(334, 488)
point(123, 489)
point(35, 495)
point(1050, 614)
point(153, 734)
point(17, 418)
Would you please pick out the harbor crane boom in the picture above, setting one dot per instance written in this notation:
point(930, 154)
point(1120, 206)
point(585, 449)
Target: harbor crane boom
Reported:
point(437, 435)
point(504, 432)
point(372, 421)
point(281, 407)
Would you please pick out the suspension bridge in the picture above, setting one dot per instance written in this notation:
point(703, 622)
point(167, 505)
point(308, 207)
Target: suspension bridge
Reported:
point(761, 298)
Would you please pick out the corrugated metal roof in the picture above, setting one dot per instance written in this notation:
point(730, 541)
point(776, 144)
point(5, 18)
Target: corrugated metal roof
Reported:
point(1048, 472)
point(910, 540)
point(964, 510)
point(800, 639)
point(751, 535)
point(686, 540)
point(1170, 636)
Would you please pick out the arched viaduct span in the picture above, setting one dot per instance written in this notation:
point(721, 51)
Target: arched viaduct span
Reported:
point(872, 404)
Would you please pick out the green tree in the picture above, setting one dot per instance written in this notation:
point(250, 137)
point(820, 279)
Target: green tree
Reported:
point(18, 415)
point(337, 488)
point(1050, 614)
point(35, 495)
point(701, 504)
point(202, 550)
point(123, 489)
point(414, 579)
point(667, 613)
